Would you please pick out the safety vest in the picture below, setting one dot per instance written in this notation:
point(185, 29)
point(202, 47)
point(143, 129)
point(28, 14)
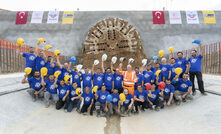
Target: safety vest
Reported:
point(129, 78)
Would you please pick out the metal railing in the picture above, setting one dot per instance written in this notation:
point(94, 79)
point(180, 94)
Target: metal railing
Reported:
point(11, 62)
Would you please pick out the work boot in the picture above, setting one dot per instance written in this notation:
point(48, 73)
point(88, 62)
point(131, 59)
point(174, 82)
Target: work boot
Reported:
point(194, 93)
point(205, 94)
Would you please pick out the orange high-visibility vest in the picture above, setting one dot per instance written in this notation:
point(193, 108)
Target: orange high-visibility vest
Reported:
point(129, 78)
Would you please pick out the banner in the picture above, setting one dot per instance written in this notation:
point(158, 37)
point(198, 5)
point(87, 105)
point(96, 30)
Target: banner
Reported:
point(21, 17)
point(68, 17)
point(158, 17)
point(53, 17)
point(209, 17)
point(192, 17)
point(175, 17)
point(37, 16)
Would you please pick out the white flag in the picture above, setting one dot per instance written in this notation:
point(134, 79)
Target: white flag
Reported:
point(192, 17)
point(175, 17)
point(53, 16)
point(37, 16)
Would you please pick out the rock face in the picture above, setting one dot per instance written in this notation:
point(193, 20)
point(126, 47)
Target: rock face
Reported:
point(115, 37)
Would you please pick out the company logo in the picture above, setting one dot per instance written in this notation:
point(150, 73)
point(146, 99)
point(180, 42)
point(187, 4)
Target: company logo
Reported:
point(76, 77)
point(99, 78)
point(31, 58)
point(87, 99)
point(42, 63)
point(103, 97)
point(118, 78)
point(52, 87)
point(37, 85)
point(141, 97)
point(146, 75)
point(114, 99)
point(184, 86)
point(166, 90)
point(109, 78)
point(193, 60)
point(88, 78)
point(62, 91)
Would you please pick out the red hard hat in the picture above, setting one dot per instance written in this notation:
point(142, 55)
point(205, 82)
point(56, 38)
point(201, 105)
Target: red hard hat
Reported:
point(148, 86)
point(162, 85)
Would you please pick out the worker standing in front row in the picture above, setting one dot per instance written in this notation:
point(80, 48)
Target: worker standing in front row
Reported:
point(129, 78)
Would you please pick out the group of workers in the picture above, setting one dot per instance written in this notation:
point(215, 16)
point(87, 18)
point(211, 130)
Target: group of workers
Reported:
point(112, 91)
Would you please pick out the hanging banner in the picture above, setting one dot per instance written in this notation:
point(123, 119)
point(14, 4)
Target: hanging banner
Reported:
point(209, 17)
point(158, 17)
point(175, 17)
point(37, 16)
point(68, 17)
point(192, 17)
point(21, 17)
point(53, 17)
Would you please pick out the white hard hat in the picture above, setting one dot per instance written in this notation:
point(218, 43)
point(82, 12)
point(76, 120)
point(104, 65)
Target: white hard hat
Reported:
point(131, 60)
point(104, 57)
point(144, 62)
point(96, 62)
point(114, 59)
point(122, 59)
point(79, 67)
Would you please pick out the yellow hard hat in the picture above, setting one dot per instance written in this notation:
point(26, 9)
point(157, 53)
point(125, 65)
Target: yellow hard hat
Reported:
point(78, 91)
point(178, 70)
point(44, 71)
point(48, 47)
point(95, 89)
point(28, 70)
point(20, 41)
point(161, 52)
point(57, 73)
point(171, 49)
point(41, 40)
point(122, 97)
point(66, 78)
point(157, 72)
point(57, 52)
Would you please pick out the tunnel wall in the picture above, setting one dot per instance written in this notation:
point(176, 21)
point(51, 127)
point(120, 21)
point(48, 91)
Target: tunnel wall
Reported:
point(69, 38)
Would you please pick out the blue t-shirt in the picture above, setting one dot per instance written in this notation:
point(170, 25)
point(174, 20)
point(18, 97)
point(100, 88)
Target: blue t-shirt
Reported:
point(128, 100)
point(165, 70)
point(118, 81)
point(87, 80)
point(182, 63)
point(155, 94)
point(173, 67)
point(108, 79)
point(195, 63)
point(49, 67)
point(148, 76)
point(35, 84)
point(50, 87)
point(72, 91)
point(183, 85)
point(62, 90)
point(168, 90)
point(40, 62)
point(87, 98)
point(29, 60)
point(76, 78)
point(115, 99)
point(140, 79)
point(102, 96)
point(98, 79)
point(160, 76)
point(64, 72)
point(141, 95)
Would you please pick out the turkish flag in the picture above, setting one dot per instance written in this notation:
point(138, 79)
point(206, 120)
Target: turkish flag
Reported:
point(21, 17)
point(158, 17)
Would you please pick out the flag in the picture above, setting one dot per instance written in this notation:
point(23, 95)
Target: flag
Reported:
point(192, 17)
point(53, 17)
point(158, 17)
point(37, 16)
point(175, 17)
point(21, 17)
point(209, 17)
point(68, 17)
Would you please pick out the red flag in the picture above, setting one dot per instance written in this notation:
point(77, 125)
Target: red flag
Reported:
point(21, 17)
point(158, 17)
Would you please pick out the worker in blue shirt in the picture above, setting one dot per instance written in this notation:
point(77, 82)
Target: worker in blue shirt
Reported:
point(195, 70)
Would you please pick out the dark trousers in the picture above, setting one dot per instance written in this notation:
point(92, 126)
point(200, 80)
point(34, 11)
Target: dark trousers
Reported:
point(72, 104)
point(85, 107)
point(157, 102)
point(142, 104)
point(31, 75)
point(61, 103)
point(199, 81)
